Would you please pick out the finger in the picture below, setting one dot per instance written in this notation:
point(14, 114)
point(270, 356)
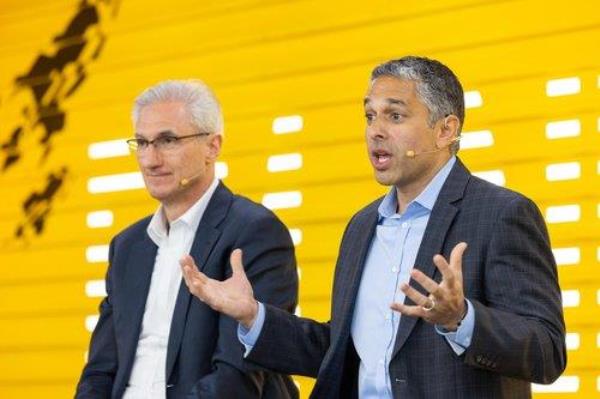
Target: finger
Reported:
point(196, 283)
point(199, 276)
point(407, 310)
point(415, 295)
point(456, 256)
point(236, 261)
point(445, 269)
point(189, 278)
point(185, 272)
point(431, 286)
point(189, 269)
point(187, 260)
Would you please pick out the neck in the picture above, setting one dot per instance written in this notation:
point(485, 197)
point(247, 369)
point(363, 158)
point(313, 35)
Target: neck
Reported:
point(408, 192)
point(174, 208)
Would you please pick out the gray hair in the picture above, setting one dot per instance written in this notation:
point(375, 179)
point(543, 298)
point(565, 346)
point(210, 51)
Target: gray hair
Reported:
point(436, 85)
point(195, 94)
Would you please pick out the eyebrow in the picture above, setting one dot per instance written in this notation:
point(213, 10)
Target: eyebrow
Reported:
point(162, 133)
point(391, 101)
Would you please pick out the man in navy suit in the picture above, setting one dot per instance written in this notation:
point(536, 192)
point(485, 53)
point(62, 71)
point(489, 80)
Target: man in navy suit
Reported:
point(413, 315)
point(153, 339)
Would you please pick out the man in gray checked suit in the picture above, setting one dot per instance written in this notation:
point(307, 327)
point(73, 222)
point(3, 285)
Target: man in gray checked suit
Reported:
point(478, 323)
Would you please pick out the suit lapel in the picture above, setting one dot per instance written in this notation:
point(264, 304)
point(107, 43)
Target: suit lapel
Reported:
point(440, 220)
point(353, 266)
point(205, 239)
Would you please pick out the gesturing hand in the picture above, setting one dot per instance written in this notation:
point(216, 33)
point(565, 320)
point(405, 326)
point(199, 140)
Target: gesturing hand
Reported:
point(445, 305)
point(233, 297)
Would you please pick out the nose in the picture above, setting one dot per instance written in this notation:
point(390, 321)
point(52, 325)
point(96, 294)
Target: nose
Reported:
point(376, 130)
point(150, 157)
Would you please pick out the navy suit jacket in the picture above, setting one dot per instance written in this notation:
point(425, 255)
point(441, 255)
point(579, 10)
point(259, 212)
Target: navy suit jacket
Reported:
point(509, 275)
point(204, 356)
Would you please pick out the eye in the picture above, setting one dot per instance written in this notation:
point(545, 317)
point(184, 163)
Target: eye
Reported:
point(369, 117)
point(169, 140)
point(141, 143)
point(395, 116)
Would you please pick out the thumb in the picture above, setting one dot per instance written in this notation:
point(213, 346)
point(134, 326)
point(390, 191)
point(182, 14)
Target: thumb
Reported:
point(236, 262)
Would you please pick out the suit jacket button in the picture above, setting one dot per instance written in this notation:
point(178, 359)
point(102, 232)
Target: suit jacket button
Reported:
point(478, 359)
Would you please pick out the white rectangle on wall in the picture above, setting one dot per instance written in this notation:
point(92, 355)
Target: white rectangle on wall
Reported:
point(473, 99)
point(493, 176)
point(96, 253)
point(284, 162)
point(98, 219)
point(563, 129)
point(221, 170)
point(476, 139)
point(287, 124)
point(282, 200)
point(116, 182)
point(90, 322)
point(108, 149)
point(95, 288)
point(567, 256)
point(563, 213)
point(563, 86)
point(563, 171)
point(564, 384)
point(571, 298)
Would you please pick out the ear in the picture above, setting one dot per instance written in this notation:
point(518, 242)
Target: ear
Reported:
point(448, 131)
point(214, 148)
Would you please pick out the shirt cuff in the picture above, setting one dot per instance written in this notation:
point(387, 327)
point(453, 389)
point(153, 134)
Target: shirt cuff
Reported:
point(460, 339)
point(248, 337)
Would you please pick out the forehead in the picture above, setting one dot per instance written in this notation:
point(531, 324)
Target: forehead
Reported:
point(391, 90)
point(162, 116)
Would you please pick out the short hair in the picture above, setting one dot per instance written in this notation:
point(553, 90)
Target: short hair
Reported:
point(203, 105)
point(436, 85)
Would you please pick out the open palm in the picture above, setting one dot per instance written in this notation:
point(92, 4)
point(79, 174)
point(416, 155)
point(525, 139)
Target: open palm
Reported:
point(233, 297)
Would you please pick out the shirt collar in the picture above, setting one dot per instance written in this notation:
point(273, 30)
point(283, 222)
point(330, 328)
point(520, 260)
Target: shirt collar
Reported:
point(426, 198)
point(157, 228)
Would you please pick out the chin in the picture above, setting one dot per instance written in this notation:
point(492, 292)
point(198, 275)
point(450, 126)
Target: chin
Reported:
point(384, 178)
point(160, 194)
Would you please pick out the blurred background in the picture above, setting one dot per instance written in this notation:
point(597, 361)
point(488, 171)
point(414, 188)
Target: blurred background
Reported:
point(291, 76)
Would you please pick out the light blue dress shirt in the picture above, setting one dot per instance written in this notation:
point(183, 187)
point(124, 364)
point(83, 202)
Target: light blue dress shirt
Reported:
point(389, 262)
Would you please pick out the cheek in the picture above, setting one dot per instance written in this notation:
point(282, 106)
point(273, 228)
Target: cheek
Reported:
point(403, 144)
point(192, 160)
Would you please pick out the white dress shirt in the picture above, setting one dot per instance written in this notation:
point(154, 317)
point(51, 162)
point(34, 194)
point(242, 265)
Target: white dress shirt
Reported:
point(147, 380)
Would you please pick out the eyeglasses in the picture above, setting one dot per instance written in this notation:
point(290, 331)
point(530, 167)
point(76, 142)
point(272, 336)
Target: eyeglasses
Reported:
point(162, 143)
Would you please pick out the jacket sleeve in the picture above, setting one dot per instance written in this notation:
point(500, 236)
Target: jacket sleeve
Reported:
point(97, 378)
point(520, 331)
point(296, 345)
point(290, 344)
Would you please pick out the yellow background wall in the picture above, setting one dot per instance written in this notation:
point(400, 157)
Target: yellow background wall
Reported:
point(268, 59)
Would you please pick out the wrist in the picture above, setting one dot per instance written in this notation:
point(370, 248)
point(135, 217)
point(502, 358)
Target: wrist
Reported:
point(462, 314)
point(248, 321)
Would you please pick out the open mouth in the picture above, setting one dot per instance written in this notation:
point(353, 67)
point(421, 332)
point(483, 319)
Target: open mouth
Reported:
point(380, 159)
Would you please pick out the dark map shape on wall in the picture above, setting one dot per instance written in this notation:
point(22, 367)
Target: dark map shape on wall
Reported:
point(55, 75)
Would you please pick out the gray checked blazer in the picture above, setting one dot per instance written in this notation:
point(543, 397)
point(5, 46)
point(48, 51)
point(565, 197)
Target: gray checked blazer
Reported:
point(509, 276)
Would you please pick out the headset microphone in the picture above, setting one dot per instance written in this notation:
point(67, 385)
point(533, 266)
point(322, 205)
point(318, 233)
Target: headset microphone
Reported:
point(187, 180)
point(413, 153)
